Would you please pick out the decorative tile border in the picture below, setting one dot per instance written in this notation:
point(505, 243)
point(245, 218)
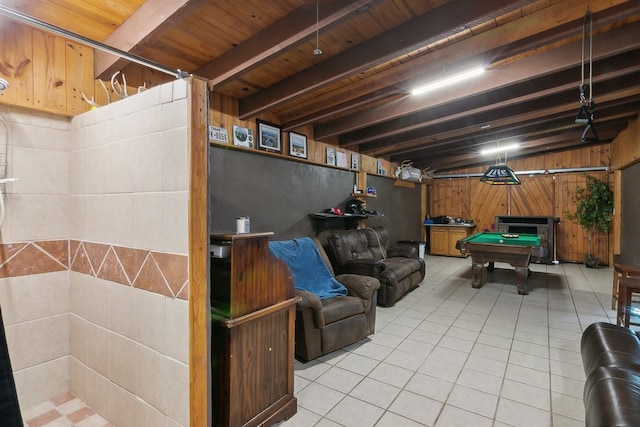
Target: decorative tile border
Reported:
point(162, 273)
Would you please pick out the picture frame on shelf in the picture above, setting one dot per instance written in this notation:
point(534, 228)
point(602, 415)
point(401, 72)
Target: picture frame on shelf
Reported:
point(242, 136)
point(269, 136)
point(341, 159)
point(297, 145)
point(355, 161)
point(331, 156)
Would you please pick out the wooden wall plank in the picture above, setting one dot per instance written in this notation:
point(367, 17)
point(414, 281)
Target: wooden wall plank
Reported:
point(48, 71)
point(79, 77)
point(16, 63)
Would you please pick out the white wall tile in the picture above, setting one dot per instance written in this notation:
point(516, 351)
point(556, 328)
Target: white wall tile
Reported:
point(175, 222)
point(97, 169)
point(177, 341)
point(150, 320)
point(175, 115)
point(175, 161)
point(147, 415)
point(78, 217)
point(122, 367)
point(97, 392)
point(78, 379)
point(41, 382)
point(122, 310)
point(122, 407)
point(78, 173)
point(98, 349)
point(121, 167)
point(39, 217)
point(38, 341)
point(147, 220)
point(40, 171)
point(147, 163)
point(151, 377)
point(177, 390)
point(79, 338)
point(27, 298)
point(110, 219)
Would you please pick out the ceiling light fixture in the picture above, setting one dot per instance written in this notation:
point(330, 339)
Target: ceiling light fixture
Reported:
point(500, 173)
point(447, 81)
point(317, 50)
point(509, 147)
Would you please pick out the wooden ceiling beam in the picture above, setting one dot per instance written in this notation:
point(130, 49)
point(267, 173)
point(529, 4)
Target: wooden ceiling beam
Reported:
point(618, 40)
point(285, 34)
point(435, 25)
point(497, 106)
point(520, 35)
point(147, 25)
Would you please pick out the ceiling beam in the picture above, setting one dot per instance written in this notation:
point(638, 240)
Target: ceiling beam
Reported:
point(608, 44)
point(519, 35)
point(294, 29)
point(147, 25)
point(435, 25)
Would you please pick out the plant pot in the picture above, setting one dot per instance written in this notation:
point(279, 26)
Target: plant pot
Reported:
point(591, 261)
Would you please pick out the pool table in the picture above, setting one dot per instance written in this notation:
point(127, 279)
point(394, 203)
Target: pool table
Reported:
point(515, 249)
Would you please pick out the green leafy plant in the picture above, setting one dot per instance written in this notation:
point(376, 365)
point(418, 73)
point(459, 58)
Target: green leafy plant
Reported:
point(594, 211)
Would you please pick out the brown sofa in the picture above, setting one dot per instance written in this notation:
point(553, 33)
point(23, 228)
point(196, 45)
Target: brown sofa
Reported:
point(328, 324)
point(368, 252)
point(611, 361)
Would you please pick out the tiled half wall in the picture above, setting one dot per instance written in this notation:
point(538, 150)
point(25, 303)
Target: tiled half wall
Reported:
point(161, 273)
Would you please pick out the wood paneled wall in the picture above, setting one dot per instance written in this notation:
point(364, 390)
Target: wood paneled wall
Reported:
point(539, 195)
point(224, 113)
point(45, 72)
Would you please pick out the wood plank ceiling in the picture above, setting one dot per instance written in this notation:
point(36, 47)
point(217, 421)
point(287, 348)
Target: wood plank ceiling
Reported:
point(357, 92)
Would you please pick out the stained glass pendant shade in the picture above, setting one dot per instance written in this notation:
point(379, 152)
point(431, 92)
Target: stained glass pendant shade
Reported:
point(500, 174)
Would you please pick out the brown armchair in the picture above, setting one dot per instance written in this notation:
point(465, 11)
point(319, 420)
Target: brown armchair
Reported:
point(326, 325)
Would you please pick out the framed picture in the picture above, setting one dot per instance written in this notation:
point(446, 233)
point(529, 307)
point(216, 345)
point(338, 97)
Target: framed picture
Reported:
point(331, 156)
point(297, 145)
point(341, 159)
point(269, 136)
point(355, 161)
point(242, 136)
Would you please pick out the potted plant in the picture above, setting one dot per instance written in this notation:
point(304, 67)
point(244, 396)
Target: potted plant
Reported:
point(594, 210)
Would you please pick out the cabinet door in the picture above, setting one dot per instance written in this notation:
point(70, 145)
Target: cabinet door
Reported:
point(439, 244)
point(454, 236)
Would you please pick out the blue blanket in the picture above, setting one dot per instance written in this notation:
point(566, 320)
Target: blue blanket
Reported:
point(310, 273)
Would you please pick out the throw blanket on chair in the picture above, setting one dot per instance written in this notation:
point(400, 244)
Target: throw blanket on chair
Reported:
point(310, 273)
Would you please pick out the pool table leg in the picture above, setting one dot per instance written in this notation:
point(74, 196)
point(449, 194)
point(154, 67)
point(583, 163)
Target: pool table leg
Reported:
point(477, 268)
point(521, 280)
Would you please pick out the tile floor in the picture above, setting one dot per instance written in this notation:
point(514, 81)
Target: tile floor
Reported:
point(449, 355)
point(64, 410)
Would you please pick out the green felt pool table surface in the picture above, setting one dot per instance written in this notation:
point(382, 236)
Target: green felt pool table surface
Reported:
point(497, 238)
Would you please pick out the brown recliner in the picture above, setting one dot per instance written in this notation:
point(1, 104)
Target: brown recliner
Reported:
point(367, 251)
point(326, 325)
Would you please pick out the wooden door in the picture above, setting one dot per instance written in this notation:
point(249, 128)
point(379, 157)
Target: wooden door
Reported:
point(571, 240)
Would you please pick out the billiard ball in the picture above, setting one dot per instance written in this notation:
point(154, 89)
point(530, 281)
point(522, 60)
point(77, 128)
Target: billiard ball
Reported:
point(501, 241)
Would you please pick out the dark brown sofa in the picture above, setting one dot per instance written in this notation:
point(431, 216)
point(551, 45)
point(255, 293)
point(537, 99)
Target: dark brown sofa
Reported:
point(611, 361)
point(368, 252)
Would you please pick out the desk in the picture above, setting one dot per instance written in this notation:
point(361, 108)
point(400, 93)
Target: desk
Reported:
point(493, 247)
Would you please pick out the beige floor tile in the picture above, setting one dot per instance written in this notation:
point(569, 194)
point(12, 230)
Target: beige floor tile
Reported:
point(455, 417)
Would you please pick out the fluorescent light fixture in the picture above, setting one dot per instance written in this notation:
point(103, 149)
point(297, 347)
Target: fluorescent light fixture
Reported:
point(448, 80)
point(508, 147)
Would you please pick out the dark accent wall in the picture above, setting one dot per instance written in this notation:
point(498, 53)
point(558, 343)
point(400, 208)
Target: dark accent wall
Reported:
point(278, 195)
point(629, 223)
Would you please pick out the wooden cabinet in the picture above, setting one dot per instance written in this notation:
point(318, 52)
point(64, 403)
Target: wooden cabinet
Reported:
point(443, 238)
point(252, 333)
